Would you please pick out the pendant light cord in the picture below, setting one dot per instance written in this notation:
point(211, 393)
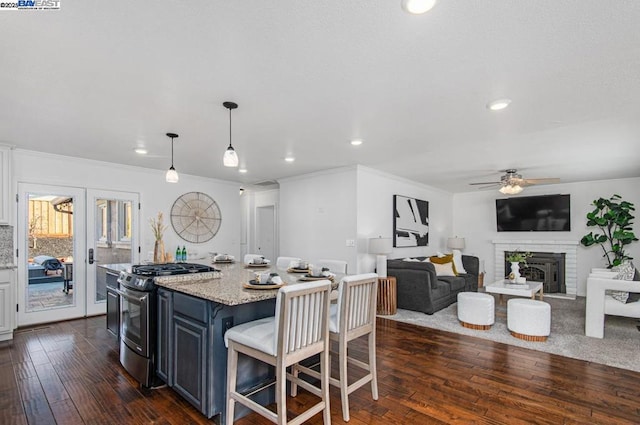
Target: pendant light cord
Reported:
point(230, 129)
point(172, 152)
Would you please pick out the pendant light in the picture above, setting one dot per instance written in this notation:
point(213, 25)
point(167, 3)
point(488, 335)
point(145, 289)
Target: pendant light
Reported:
point(172, 174)
point(230, 158)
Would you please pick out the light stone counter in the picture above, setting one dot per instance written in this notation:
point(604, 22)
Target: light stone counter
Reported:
point(8, 266)
point(226, 287)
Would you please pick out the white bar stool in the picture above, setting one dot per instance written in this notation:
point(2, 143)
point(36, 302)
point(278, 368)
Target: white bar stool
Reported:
point(284, 262)
point(298, 330)
point(353, 316)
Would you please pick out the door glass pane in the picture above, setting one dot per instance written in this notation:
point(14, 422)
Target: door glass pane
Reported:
point(50, 252)
point(113, 239)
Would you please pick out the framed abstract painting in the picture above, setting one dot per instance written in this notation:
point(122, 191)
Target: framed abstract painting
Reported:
point(410, 222)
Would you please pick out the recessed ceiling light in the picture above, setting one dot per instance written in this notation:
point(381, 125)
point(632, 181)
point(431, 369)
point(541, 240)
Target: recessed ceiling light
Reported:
point(498, 104)
point(356, 142)
point(141, 151)
point(242, 170)
point(289, 159)
point(418, 7)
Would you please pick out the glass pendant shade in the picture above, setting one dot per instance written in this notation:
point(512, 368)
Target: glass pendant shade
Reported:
point(230, 158)
point(172, 175)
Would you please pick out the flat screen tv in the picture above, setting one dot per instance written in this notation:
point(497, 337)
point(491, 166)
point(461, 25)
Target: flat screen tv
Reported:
point(548, 213)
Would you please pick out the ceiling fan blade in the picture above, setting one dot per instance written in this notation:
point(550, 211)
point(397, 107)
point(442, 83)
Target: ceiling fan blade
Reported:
point(541, 181)
point(478, 183)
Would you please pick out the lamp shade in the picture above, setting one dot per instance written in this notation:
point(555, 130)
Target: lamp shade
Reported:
point(172, 176)
point(230, 158)
point(380, 245)
point(455, 243)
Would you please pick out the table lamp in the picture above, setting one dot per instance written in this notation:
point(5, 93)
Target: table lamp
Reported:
point(381, 247)
point(455, 243)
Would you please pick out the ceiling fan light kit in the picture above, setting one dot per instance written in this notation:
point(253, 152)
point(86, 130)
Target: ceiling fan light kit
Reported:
point(512, 183)
point(172, 174)
point(510, 189)
point(230, 158)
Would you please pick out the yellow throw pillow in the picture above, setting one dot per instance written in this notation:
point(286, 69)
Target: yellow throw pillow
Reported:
point(444, 260)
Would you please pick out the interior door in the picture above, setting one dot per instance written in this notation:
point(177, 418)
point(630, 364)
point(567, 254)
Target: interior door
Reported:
point(112, 242)
point(266, 232)
point(51, 253)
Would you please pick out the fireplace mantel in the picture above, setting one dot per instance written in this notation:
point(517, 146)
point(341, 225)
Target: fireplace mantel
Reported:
point(569, 248)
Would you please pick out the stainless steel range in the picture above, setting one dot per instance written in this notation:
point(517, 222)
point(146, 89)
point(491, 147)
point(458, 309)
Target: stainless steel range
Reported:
point(138, 316)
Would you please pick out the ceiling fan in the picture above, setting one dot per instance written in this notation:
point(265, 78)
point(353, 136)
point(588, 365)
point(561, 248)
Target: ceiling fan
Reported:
point(512, 183)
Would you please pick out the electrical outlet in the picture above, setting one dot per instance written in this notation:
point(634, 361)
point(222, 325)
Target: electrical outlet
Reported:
point(351, 243)
point(227, 323)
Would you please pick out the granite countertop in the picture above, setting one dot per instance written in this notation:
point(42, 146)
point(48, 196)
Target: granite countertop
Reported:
point(226, 287)
point(8, 266)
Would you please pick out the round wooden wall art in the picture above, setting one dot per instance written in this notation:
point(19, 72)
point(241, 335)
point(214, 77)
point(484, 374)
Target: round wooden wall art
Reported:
point(195, 217)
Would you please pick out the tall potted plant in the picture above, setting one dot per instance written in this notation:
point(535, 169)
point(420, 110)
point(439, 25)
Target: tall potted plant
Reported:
point(613, 218)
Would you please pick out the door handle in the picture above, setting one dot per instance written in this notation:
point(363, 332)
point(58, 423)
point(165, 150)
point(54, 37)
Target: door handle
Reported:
point(90, 255)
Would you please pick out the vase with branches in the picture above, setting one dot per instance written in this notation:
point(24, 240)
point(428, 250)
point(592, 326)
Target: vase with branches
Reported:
point(158, 228)
point(613, 217)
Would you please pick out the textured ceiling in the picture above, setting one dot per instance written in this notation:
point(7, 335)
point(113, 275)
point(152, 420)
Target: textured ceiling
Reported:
point(96, 79)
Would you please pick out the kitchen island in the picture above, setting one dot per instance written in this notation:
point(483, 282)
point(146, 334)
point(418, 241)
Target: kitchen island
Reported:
point(193, 314)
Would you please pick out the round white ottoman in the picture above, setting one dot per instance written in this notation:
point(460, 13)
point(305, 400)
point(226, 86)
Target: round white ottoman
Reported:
point(529, 319)
point(476, 310)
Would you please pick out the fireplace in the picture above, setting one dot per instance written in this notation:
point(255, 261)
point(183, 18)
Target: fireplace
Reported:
point(545, 267)
point(568, 248)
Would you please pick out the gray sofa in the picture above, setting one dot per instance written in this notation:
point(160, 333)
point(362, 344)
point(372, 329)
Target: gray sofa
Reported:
point(420, 289)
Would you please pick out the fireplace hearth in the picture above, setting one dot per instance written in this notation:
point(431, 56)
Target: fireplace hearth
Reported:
point(545, 267)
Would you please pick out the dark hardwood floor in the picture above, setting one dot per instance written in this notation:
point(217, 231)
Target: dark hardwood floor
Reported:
point(68, 373)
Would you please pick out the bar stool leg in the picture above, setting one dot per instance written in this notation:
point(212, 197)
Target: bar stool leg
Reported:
point(281, 393)
point(344, 385)
point(372, 365)
point(232, 368)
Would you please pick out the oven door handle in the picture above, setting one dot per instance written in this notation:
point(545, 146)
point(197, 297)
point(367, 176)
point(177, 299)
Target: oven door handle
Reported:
point(128, 296)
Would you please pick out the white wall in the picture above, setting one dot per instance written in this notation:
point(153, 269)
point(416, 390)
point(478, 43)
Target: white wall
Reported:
point(318, 215)
point(155, 194)
point(474, 219)
point(375, 214)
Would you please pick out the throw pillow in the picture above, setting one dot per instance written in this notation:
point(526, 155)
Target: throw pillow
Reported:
point(621, 296)
point(634, 296)
point(444, 260)
point(625, 271)
point(445, 269)
point(457, 261)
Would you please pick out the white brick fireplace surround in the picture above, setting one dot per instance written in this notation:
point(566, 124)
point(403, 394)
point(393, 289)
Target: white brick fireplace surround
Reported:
point(569, 248)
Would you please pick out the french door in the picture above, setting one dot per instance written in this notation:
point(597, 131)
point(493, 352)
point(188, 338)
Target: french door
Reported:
point(66, 237)
point(112, 242)
point(51, 247)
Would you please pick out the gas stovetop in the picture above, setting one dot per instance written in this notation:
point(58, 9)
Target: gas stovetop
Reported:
point(142, 275)
point(169, 269)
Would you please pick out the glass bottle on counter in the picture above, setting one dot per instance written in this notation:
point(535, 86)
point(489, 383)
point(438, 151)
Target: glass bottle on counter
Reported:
point(184, 254)
point(178, 255)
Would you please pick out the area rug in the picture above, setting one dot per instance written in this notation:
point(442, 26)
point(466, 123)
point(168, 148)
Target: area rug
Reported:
point(619, 348)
